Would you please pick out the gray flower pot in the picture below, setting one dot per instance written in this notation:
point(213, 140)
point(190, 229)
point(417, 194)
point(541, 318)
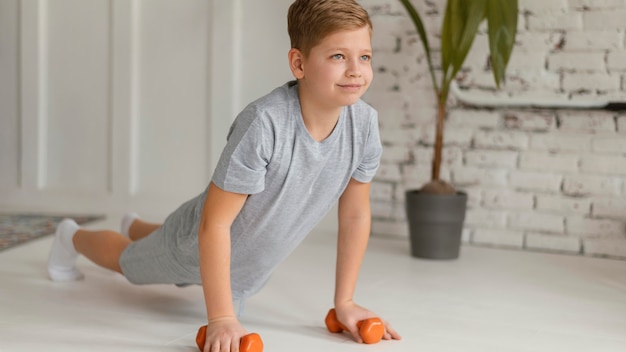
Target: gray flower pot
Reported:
point(435, 224)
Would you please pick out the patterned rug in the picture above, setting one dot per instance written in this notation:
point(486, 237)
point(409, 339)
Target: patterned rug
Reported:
point(16, 229)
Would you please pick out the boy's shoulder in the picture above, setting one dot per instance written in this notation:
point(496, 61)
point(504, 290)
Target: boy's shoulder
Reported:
point(268, 109)
point(279, 98)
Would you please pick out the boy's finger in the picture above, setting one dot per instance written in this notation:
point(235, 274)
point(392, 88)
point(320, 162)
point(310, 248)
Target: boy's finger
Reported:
point(356, 335)
point(390, 333)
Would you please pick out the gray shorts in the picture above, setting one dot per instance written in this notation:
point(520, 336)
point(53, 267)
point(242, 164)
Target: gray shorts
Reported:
point(154, 260)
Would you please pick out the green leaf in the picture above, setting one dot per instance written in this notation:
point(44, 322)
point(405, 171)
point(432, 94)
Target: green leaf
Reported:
point(502, 27)
point(460, 25)
point(421, 31)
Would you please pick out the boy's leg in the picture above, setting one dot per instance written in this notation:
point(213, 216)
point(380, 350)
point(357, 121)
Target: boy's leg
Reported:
point(135, 228)
point(62, 256)
point(101, 247)
point(140, 229)
point(147, 261)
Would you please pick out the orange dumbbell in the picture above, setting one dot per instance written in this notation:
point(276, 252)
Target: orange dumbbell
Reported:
point(249, 343)
point(371, 330)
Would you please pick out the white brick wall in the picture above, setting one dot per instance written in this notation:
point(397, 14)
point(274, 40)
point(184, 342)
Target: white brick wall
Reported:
point(621, 124)
point(603, 164)
point(586, 121)
point(605, 247)
point(382, 191)
point(555, 21)
point(610, 208)
point(453, 136)
point(542, 41)
point(491, 158)
point(597, 4)
point(536, 221)
point(530, 121)
point(389, 172)
point(610, 144)
point(482, 218)
point(542, 241)
point(593, 40)
point(560, 142)
point(474, 119)
point(542, 6)
point(573, 61)
point(540, 161)
point(604, 19)
point(563, 205)
point(617, 61)
point(537, 179)
point(526, 60)
point(502, 238)
point(474, 196)
point(504, 199)
point(594, 228)
point(471, 176)
point(500, 140)
point(586, 185)
point(591, 82)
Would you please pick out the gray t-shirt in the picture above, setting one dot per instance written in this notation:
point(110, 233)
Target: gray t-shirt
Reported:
point(292, 179)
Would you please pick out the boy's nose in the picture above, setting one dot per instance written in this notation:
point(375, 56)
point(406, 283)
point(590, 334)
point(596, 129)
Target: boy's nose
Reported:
point(353, 71)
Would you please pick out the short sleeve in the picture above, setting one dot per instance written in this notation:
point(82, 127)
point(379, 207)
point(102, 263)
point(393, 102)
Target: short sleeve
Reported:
point(373, 150)
point(243, 163)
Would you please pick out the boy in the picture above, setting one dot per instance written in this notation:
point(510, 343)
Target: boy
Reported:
point(289, 157)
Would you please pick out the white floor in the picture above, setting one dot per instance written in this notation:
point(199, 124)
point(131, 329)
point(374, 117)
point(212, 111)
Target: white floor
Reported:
point(488, 300)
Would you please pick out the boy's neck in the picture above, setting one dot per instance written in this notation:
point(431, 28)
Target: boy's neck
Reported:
point(319, 120)
point(319, 127)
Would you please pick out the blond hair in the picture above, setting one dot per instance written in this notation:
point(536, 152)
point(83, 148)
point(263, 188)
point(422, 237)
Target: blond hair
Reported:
point(310, 21)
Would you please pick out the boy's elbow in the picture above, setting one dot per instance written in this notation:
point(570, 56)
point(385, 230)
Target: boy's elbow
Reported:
point(208, 228)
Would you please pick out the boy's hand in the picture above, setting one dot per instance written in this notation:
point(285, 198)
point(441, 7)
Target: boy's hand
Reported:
point(350, 313)
point(223, 335)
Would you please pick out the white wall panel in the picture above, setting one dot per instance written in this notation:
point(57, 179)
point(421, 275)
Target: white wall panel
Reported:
point(9, 98)
point(115, 105)
point(125, 104)
point(264, 47)
point(77, 118)
point(173, 91)
point(31, 17)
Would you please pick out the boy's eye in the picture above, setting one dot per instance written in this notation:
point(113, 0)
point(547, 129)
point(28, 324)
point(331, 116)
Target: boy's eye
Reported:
point(366, 57)
point(337, 56)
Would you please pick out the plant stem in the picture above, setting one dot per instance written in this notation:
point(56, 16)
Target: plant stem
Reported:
point(441, 115)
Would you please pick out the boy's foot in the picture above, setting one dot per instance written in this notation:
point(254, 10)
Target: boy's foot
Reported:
point(62, 258)
point(127, 220)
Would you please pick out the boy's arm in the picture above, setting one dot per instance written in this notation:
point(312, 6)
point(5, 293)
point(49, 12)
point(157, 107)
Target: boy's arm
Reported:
point(354, 231)
point(219, 212)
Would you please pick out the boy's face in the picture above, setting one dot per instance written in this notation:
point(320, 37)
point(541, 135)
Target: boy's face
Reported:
point(338, 70)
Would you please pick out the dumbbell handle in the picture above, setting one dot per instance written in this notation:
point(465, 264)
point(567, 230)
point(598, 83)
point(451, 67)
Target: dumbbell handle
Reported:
point(371, 330)
point(249, 343)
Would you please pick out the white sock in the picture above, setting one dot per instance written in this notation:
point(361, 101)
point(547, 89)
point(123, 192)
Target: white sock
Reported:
point(62, 258)
point(127, 220)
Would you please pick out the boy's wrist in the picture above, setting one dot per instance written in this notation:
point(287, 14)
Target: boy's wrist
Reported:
point(222, 312)
point(221, 318)
point(216, 312)
point(342, 301)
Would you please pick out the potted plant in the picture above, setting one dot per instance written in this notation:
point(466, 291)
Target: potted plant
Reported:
point(436, 211)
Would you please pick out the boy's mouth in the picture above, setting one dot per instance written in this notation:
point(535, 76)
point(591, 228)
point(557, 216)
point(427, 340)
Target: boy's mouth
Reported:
point(350, 86)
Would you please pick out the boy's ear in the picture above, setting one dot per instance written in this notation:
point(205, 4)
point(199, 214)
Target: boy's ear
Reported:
point(296, 63)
